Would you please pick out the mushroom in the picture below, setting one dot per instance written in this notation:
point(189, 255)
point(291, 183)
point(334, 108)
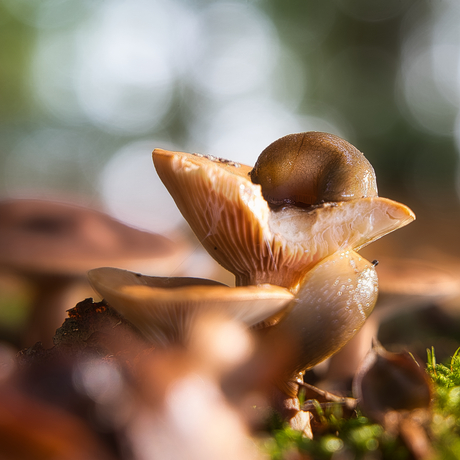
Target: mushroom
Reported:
point(262, 243)
point(395, 390)
point(294, 220)
point(53, 245)
point(164, 309)
point(335, 299)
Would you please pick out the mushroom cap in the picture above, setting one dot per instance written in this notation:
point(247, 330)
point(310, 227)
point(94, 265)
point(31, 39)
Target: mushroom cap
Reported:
point(406, 284)
point(415, 277)
point(163, 309)
point(234, 223)
point(52, 238)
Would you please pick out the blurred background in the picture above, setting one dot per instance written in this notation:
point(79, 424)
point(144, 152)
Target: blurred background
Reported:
point(88, 89)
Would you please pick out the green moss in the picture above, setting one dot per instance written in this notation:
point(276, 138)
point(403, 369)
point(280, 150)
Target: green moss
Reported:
point(355, 437)
point(446, 405)
point(358, 438)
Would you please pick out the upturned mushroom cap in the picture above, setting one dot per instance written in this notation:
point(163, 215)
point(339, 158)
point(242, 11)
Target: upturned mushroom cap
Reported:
point(163, 309)
point(233, 221)
point(52, 238)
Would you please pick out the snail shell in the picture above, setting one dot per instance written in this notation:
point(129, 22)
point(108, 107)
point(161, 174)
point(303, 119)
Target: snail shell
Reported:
point(312, 168)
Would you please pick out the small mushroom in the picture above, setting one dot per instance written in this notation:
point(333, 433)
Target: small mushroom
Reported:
point(230, 215)
point(164, 309)
point(394, 390)
point(388, 381)
point(53, 245)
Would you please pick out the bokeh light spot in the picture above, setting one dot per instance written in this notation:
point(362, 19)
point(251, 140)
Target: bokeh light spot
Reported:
point(133, 192)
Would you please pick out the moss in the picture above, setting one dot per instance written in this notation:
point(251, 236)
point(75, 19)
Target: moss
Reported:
point(446, 405)
point(355, 437)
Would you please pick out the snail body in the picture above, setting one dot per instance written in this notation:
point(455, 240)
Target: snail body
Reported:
point(333, 302)
point(312, 168)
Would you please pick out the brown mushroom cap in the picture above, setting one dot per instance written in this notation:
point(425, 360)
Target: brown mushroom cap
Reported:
point(233, 221)
point(415, 277)
point(312, 168)
point(45, 237)
point(163, 309)
point(392, 382)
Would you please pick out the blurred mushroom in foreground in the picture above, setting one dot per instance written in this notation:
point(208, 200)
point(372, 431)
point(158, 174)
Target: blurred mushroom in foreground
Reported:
point(185, 414)
point(139, 401)
point(53, 245)
point(165, 309)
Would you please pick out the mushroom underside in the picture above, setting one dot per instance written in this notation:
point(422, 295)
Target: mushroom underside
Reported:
point(164, 309)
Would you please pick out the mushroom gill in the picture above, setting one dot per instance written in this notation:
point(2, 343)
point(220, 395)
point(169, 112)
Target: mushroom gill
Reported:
point(261, 243)
point(164, 309)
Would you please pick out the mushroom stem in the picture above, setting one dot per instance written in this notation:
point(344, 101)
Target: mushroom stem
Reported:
point(48, 310)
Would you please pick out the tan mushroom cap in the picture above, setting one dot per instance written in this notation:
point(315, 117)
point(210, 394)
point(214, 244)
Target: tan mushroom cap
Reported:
point(410, 281)
point(163, 309)
point(236, 226)
point(415, 277)
point(406, 284)
point(47, 237)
